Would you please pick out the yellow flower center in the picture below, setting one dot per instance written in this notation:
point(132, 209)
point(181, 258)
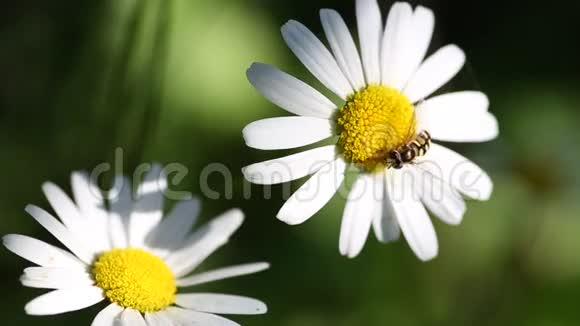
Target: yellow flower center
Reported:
point(373, 122)
point(134, 278)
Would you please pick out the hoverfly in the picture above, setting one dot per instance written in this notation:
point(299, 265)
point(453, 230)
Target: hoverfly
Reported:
point(416, 147)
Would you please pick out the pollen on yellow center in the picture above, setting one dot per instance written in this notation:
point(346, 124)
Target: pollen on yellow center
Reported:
point(134, 278)
point(374, 121)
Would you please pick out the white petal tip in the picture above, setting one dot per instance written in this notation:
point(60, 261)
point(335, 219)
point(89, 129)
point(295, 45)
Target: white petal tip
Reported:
point(77, 175)
point(48, 186)
point(246, 135)
point(285, 29)
point(495, 127)
point(8, 239)
point(263, 266)
point(342, 249)
point(389, 238)
point(31, 311)
point(31, 209)
point(253, 135)
point(353, 255)
point(428, 254)
point(487, 195)
point(457, 51)
point(483, 98)
point(489, 130)
point(253, 68)
point(427, 258)
point(264, 310)
point(248, 174)
point(290, 23)
point(261, 308)
point(288, 218)
point(424, 11)
point(354, 252)
point(326, 12)
point(456, 222)
point(403, 4)
point(347, 251)
point(483, 190)
point(236, 215)
point(459, 219)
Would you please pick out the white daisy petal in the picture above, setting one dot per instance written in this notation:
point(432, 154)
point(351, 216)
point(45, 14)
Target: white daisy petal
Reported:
point(343, 47)
point(188, 317)
point(108, 316)
point(316, 58)
point(465, 176)
point(289, 93)
point(222, 273)
point(121, 205)
point(173, 229)
point(41, 253)
point(286, 132)
point(369, 21)
point(64, 300)
point(63, 206)
point(438, 195)
point(386, 226)
point(395, 43)
point(358, 215)
point(473, 128)
point(406, 43)
point(384, 222)
point(221, 304)
point(91, 206)
point(204, 242)
point(87, 195)
point(458, 117)
point(466, 102)
point(55, 278)
point(411, 215)
point(61, 233)
point(313, 194)
point(291, 167)
point(131, 317)
point(450, 208)
point(421, 31)
point(435, 72)
point(148, 209)
point(158, 319)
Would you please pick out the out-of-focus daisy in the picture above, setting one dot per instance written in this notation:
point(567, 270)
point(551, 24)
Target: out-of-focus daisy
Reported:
point(130, 257)
point(385, 105)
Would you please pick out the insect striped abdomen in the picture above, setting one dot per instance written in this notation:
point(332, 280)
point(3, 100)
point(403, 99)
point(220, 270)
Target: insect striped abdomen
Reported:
point(409, 152)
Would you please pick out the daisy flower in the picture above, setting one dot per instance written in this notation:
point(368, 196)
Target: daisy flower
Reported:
point(129, 256)
point(385, 106)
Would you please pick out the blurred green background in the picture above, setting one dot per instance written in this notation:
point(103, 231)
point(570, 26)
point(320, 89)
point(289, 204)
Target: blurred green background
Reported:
point(165, 81)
